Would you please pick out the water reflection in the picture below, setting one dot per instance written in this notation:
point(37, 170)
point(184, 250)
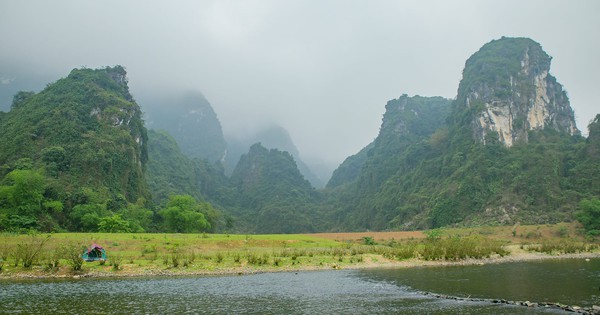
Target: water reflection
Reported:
point(568, 281)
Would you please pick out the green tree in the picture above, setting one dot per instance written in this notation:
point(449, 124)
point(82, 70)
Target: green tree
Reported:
point(139, 218)
point(27, 191)
point(182, 215)
point(589, 215)
point(21, 200)
point(55, 159)
point(86, 217)
point(114, 224)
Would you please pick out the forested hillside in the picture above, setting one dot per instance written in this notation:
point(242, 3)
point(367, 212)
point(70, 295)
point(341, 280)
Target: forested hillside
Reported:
point(508, 153)
point(273, 196)
point(73, 157)
point(77, 156)
point(273, 137)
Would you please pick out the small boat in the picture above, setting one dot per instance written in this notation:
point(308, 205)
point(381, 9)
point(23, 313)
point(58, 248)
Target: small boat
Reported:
point(94, 253)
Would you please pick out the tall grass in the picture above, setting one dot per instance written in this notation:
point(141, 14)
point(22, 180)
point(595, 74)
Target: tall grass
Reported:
point(212, 252)
point(562, 246)
point(451, 248)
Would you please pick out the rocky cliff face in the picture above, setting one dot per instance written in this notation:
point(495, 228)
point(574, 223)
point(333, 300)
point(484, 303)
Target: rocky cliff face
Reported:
point(509, 91)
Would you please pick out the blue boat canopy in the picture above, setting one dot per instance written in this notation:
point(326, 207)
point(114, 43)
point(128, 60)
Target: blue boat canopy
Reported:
point(94, 253)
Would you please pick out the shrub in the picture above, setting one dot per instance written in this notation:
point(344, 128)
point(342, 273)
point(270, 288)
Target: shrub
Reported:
point(406, 251)
point(4, 253)
point(237, 257)
point(434, 234)
point(29, 249)
point(219, 257)
point(252, 259)
point(533, 234)
point(51, 260)
point(72, 253)
point(192, 257)
point(115, 261)
point(368, 240)
point(175, 260)
point(563, 231)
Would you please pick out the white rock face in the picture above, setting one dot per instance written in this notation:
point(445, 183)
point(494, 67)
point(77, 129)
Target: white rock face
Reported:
point(499, 119)
point(545, 106)
point(538, 112)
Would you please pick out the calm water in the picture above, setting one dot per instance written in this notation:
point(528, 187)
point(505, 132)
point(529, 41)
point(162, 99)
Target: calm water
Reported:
point(324, 292)
point(568, 281)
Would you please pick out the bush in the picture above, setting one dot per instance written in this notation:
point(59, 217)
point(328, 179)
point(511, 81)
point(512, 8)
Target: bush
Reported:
point(368, 240)
point(72, 253)
point(219, 257)
point(434, 234)
point(29, 249)
point(563, 231)
point(114, 224)
point(52, 260)
point(4, 253)
point(115, 261)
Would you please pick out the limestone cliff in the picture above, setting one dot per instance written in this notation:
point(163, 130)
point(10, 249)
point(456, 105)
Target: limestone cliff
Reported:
point(84, 130)
point(508, 91)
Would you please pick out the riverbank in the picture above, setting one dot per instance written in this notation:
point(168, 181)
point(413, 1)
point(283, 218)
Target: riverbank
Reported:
point(366, 261)
point(59, 255)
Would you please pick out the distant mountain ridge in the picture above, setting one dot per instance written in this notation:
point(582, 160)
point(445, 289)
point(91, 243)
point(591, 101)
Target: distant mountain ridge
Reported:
point(505, 151)
point(272, 137)
point(191, 120)
point(274, 196)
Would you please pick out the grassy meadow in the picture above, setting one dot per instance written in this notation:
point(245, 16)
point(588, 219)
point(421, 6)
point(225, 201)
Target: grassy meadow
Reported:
point(57, 255)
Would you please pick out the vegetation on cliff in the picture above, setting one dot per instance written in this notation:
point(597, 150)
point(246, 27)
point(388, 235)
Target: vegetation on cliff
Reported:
point(73, 157)
point(77, 157)
point(447, 176)
point(273, 197)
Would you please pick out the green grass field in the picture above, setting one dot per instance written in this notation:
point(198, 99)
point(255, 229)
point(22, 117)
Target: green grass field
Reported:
point(140, 254)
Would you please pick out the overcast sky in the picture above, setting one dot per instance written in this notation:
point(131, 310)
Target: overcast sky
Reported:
point(322, 69)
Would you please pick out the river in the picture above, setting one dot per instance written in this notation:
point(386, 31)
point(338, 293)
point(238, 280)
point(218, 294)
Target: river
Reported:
point(377, 291)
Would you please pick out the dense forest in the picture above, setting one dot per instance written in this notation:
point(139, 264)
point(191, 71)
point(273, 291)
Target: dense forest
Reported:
point(78, 156)
point(73, 157)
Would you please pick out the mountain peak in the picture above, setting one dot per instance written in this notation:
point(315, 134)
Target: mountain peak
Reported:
point(507, 91)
